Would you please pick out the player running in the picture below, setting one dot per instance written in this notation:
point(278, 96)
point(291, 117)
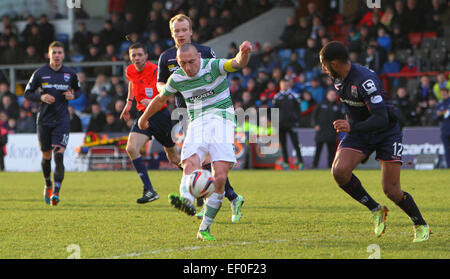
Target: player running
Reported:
point(142, 87)
point(204, 86)
point(371, 125)
point(59, 85)
point(181, 31)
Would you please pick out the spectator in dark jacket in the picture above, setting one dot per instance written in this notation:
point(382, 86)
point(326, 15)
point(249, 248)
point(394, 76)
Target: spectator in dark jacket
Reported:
point(289, 109)
point(323, 117)
point(98, 119)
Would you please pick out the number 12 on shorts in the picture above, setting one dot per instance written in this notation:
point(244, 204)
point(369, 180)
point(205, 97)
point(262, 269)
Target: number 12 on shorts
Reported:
point(398, 148)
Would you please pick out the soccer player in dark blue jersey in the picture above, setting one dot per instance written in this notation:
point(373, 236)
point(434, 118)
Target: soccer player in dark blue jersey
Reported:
point(181, 31)
point(371, 125)
point(58, 85)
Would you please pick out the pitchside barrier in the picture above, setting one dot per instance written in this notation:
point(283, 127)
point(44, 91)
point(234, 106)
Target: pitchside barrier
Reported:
point(421, 147)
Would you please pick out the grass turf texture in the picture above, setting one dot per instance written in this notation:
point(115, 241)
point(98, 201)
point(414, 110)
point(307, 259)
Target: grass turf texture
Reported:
point(288, 214)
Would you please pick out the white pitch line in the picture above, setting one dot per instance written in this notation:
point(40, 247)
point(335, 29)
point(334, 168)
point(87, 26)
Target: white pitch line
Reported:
point(190, 248)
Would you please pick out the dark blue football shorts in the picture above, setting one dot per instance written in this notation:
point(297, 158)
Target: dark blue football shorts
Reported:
point(160, 127)
point(387, 144)
point(53, 135)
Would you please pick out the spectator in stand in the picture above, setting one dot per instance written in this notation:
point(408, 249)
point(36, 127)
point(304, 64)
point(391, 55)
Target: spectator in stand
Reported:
point(399, 40)
point(118, 23)
point(47, 30)
point(424, 92)
point(315, 27)
point(302, 33)
point(441, 83)
point(101, 82)
point(376, 24)
point(277, 75)
point(130, 25)
point(31, 57)
point(426, 113)
point(288, 104)
point(247, 101)
point(442, 114)
point(10, 106)
point(410, 67)
point(368, 18)
point(236, 89)
point(75, 121)
point(240, 11)
point(316, 90)
point(112, 125)
point(97, 42)
point(81, 39)
point(13, 54)
point(35, 39)
point(287, 38)
point(400, 15)
point(25, 123)
point(313, 12)
point(205, 29)
point(392, 65)
point(8, 33)
point(384, 40)
point(108, 35)
point(104, 99)
point(406, 109)
point(307, 107)
point(3, 142)
point(293, 63)
point(413, 17)
point(27, 30)
point(247, 74)
point(311, 54)
point(323, 117)
point(98, 119)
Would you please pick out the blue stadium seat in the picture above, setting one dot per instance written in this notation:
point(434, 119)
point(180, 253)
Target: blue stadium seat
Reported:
point(300, 53)
point(284, 54)
point(62, 37)
point(77, 58)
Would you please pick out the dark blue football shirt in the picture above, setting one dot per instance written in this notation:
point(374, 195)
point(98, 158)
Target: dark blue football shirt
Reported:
point(362, 95)
point(53, 83)
point(168, 64)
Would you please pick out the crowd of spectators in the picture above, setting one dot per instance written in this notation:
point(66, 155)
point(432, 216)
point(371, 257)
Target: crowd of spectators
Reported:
point(377, 38)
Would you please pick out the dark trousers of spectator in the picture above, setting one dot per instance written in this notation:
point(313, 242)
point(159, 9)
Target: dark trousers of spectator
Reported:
point(2, 159)
point(331, 147)
point(446, 143)
point(284, 131)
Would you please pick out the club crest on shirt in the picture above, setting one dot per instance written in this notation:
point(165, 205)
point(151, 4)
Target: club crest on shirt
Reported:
point(354, 91)
point(66, 77)
point(149, 92)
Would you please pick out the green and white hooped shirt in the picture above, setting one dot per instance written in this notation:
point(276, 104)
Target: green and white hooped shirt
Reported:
point(207, 93)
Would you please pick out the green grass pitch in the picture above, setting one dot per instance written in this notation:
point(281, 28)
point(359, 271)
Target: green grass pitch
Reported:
point(287, 215)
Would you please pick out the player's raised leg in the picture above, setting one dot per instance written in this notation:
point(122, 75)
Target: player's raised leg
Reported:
point(390, 172)
point(344, 163)
point(134, 145)
point(185, 201)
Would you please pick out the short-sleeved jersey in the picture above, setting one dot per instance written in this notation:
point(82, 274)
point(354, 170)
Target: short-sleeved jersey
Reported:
point(54, 83)
point(168, 64)
point(143, 83)
point(362, 93)
point(205, 94)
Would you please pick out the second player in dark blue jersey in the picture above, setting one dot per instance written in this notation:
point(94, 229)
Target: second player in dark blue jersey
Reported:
point(57, 85)
point(371, 126)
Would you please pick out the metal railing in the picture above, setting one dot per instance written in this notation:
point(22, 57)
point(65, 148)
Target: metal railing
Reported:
point(13, 68)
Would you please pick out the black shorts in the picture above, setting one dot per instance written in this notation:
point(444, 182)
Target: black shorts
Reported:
point(160, 127)
point(387, 144)
point(53, 135)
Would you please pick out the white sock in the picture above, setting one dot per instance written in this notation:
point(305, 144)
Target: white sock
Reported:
point(213, 204)
point(184, 191)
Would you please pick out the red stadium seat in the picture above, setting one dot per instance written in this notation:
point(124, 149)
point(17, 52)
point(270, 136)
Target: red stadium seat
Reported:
point(415, 38)
point(431, 34)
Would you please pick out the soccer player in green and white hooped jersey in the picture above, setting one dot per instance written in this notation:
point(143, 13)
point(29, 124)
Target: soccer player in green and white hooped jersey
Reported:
point(204, 86)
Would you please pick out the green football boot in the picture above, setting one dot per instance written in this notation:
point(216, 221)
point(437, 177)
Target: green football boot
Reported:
point(182, 204)
point(379, 218)
point(421, 233)
point(205, 236)
point(236, 208)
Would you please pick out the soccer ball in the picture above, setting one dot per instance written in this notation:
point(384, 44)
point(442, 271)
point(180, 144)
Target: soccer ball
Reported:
point(201, 183)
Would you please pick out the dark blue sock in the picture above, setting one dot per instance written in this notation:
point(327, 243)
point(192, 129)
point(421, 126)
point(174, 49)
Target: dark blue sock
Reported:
point(356, 191)
point(139, 165)
point(408, 205)
point(229, 191)
point(57, 187)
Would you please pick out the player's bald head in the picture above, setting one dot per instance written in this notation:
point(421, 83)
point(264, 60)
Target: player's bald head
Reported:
point(186, 48)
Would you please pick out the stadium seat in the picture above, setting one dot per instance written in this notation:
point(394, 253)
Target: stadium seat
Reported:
point(431, 34)
point(415, 38)
point(285, 54)
point(301, 53)
point(77, 58)
point(428, 43)
point(62, 37)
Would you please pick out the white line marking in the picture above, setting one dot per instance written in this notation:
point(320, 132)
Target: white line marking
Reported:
point(191, 248)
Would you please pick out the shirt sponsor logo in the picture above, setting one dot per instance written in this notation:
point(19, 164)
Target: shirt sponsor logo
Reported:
point(66, 77)
point(46, 77)
point(55, 86)
point(200, 97)
point(353, 103)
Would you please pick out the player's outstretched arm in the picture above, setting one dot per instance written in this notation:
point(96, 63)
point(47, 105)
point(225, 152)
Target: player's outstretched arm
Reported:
point(243, 56)
point(155, 105)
